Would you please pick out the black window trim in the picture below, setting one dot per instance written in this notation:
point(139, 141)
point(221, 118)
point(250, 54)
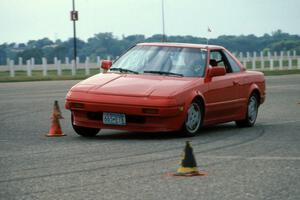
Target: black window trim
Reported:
point(224, 58)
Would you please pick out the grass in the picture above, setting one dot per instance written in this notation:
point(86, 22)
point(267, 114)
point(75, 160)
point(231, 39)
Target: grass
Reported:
point(37, 75)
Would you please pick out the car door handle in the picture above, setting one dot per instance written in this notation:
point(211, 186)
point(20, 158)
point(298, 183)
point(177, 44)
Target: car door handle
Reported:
point(235, 82)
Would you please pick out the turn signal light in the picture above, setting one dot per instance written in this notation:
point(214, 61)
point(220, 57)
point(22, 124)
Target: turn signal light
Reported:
point(150, 110)
point(180, 108)
point(76, 105)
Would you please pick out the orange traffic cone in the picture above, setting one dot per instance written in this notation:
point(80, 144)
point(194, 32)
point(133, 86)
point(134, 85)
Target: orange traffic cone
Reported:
point(55, 129)
point(188, 164)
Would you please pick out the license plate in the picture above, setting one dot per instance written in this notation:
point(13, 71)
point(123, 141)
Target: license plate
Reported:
point(114, 119)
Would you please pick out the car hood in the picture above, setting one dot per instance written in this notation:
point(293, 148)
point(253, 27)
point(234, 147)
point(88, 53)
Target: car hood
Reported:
point(140, 85)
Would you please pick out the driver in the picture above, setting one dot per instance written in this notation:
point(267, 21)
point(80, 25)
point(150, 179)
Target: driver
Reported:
point(193, 64)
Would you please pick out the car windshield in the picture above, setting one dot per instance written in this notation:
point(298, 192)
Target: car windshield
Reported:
point(170, 61)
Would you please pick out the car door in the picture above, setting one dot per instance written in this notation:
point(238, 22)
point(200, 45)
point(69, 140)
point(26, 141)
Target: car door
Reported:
point(223, 91)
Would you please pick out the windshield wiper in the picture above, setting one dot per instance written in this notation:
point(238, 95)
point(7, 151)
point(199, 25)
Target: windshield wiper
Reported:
point(123, 70)
point(163, 73)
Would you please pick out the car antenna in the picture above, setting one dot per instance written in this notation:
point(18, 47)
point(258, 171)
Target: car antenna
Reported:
point(163, 21)
point(208, 31)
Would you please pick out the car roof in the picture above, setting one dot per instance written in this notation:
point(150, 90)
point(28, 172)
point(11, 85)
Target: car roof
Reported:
point(186, 45)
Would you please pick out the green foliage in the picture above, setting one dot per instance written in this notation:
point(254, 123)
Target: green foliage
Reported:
point(106, 44)
point(35, 53)
point(285, 45)
point(3, 54)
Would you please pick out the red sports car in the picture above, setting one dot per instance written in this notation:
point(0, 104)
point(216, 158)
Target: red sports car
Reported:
point(158, 87)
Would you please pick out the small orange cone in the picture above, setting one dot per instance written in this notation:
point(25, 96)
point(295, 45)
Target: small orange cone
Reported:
point(55, 129)
point(188, 164)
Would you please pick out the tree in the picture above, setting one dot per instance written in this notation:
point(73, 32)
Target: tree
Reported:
point(106, 44)
point(35, 53)
point(3, 55)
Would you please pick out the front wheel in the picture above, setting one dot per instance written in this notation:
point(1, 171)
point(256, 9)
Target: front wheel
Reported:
point(194, 118)
point(84, 131)
point(251, 115)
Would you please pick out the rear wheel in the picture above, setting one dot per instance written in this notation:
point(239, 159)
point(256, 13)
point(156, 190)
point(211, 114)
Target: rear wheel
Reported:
point(84, 131)
point(194, 118)
point(252, 110)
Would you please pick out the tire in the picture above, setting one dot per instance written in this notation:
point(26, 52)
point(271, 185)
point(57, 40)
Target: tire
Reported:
point(194, 119)
point(251, 114)
point(85, 131)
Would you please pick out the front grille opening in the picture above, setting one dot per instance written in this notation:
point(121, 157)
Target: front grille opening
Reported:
point(135, 119)
point(94, 115)
point(129, 118)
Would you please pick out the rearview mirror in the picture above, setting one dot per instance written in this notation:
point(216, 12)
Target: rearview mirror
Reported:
point(216, 71)
point(105, 65)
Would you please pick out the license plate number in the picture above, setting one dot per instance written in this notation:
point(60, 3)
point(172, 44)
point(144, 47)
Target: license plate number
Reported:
point(114, 119)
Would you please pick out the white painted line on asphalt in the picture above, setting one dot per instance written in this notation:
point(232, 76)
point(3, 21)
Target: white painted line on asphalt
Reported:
point(222, 157)
point(283, 86)
point(253, 158)
point(273, 158)
point(282, 122)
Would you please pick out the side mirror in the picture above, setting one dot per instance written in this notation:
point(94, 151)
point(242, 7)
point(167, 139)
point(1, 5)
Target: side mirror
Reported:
point(105, 65)
point(216, 71)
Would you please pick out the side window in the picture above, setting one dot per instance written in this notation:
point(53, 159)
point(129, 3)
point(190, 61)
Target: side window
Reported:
point(234, 66)
point(216, 59)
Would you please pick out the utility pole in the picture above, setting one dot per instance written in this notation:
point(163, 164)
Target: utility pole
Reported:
point(74, 18)
point(163, 20)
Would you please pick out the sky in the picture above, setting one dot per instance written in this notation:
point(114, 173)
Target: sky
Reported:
point(23, 20)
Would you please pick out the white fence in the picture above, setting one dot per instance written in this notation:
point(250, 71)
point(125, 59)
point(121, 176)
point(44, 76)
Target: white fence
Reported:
point(58, 66)
point(271, 61)
point(261, 62)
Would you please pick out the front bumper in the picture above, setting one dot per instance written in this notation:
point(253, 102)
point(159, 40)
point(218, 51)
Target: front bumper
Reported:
point(89, 114)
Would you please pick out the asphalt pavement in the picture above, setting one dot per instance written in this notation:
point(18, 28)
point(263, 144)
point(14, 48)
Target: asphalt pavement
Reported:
point(262, 162)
